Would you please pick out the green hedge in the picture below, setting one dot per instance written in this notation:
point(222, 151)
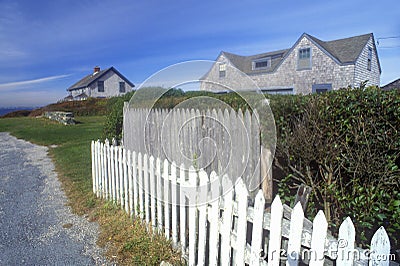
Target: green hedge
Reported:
point(344, 144)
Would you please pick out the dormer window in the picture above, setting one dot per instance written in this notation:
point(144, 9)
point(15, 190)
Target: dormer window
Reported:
point(222, 70)
point(262, 63)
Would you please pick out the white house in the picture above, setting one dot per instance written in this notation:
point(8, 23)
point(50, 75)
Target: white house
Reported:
point(310, 65)
point(100, 84)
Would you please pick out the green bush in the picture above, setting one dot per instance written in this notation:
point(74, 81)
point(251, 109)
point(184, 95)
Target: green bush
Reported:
point(345, 145)
point(113, 124)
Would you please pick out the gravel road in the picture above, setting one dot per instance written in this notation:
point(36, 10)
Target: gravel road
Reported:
point(35, 223)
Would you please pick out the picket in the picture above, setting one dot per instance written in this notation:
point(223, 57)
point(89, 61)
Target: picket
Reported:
point(140, 186)
point(126, 184)
point(166, 199)
point(380, 248)
point(242, 198)
point(121, 177)
point(227, 187)
point(182, 208)
point(146, 188)
point(130, 184)
point(346, 243)
point(214, 219)
point(320, 227)
point(153, 192)
point(192, 216)
point(294, 244)
point(256, 237)
point(92, 147)
point(135, 168)
point(275, 236)
point(202, 199)
point(112, 168)
point(159, 195)
point(109, 169)
point(174, 205)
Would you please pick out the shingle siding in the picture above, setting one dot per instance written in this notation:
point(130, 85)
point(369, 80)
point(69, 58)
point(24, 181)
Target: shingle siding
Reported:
point(362, 73)
point(325, 69)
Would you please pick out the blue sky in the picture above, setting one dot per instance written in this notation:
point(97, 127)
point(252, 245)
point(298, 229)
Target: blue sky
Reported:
point(46, 46)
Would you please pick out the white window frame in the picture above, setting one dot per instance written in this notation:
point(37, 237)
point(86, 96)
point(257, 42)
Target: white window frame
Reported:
point(222, 70)
point(299, 67)
point(265, 59)
point(369, 59)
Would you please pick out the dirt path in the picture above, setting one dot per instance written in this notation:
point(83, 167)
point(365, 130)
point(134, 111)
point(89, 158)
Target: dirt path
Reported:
point(36, 228)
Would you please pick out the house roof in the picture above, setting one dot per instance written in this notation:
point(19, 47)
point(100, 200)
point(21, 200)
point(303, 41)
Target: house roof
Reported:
point(91, 78)
point(392, 85)
point(343, 51)
point(244, 63)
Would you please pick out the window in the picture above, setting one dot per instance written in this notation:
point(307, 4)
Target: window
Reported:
point(261, 63)
point(304, 61)
point(369, 58)
point(321, 88)
point(278, 91)
point(100, 86)
point(122, 87)
point(222, 70)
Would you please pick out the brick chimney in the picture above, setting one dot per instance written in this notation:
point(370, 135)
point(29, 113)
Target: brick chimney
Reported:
point(96, 69)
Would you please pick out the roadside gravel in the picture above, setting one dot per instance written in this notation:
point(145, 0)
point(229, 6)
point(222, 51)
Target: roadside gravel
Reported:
point(36, 226)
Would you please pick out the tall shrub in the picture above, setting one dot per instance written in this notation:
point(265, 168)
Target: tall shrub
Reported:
point(345, 145)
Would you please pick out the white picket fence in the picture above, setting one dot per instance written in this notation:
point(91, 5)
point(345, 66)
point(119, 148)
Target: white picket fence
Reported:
point(226, 230)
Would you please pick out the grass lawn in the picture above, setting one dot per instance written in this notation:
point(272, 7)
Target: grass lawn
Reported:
point(127, 241)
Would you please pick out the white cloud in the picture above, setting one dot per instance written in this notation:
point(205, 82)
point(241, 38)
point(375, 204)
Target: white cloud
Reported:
point(19, 84)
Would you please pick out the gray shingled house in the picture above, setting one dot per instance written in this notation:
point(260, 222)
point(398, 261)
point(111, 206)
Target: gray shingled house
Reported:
point(100, 84)
point(392, 85)
point(310, 65)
